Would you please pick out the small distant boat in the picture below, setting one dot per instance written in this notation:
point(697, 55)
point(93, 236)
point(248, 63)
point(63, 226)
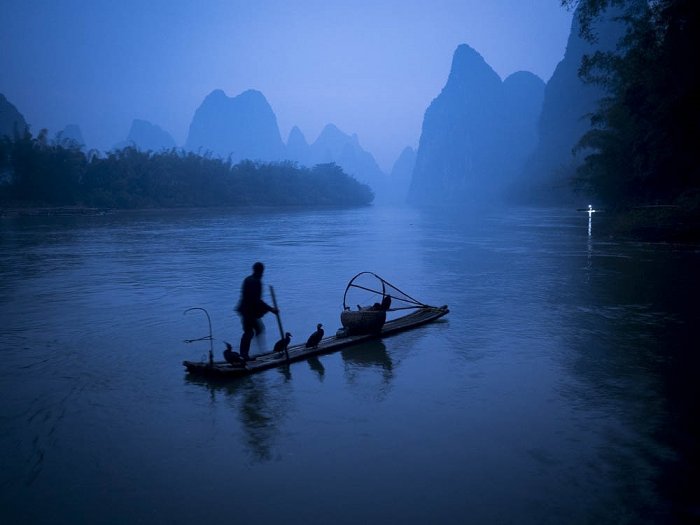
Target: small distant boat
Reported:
point(364, 324)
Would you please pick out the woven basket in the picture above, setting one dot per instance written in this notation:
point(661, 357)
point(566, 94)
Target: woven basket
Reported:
point(362, 321)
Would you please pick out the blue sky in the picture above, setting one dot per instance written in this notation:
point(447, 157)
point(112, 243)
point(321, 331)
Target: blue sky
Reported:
point(370, 68)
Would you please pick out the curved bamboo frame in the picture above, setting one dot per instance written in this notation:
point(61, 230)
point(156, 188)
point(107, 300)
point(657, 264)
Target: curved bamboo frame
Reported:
point(407, 298)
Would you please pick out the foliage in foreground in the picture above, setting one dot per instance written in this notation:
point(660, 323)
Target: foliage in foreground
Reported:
point(642, 145)
point(34, 172)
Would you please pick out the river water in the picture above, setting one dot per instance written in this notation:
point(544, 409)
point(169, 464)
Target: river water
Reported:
point(561, 387)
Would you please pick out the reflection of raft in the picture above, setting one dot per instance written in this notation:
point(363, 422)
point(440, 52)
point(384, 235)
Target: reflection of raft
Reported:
point(361, 325)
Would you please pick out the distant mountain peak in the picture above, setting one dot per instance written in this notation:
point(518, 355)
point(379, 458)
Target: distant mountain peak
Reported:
point(71, 134)
point(242, 127)
point(466, 62)
point(296, 137)
point(148, 136)
point(466, 56)
point(252, 94)
point(298, 147)
point(217, 94)
point(524, 76)
point(247, 97)
point(11, 120)
point(476, 133)
point(331, 129)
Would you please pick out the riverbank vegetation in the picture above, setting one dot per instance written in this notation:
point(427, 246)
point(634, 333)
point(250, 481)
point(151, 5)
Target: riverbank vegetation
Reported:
point(37, 173)
point(641, 151)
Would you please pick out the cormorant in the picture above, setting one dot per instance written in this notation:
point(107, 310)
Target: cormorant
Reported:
point(282, 344)
point(233, 358)
point(315, 338)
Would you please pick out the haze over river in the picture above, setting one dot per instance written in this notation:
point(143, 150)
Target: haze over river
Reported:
point(561, 387)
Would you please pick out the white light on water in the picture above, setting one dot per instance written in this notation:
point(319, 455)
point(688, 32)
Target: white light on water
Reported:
point(590, 212)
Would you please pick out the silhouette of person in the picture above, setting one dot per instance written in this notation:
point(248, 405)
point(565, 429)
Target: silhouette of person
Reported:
point(251, 308)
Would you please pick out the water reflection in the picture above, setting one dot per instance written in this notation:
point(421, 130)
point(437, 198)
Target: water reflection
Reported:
point(589, 254)
point(579, 350)
point(373, 356)
point(261, 403)
point(635, 323)
point(316, 365)
point(591, 211)
point(259, 406)
point(286, 372)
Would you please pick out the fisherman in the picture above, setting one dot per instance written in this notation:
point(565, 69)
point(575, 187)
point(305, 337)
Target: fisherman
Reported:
point(251, 308)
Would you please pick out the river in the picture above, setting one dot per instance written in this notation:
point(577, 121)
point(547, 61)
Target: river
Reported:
point(561, 388)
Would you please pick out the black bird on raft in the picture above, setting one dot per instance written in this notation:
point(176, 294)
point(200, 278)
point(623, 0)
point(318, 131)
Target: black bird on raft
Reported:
point(315, 338)
point(231, 357)
point(282, 344)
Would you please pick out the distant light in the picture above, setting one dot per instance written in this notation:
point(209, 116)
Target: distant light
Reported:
point(590, 211)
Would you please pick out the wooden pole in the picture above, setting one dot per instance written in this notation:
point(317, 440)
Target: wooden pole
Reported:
point(279, 320)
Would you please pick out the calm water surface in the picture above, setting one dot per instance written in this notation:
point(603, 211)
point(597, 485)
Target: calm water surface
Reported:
point(561, 388)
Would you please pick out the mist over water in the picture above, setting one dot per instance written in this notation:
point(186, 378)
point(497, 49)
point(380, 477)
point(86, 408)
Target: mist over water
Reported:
point(559, 388)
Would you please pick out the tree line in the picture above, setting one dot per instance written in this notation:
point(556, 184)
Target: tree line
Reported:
point(642, 145)
point(37, 172)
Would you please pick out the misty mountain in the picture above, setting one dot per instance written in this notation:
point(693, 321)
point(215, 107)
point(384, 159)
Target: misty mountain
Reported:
point(297, 148)
point(524, 95)
point(400, 176)
point(71, 134)
point(565, 116)
point(476, 133)
point(243, 127)
point(11, 120)
point(147, 137)
point(333, 145)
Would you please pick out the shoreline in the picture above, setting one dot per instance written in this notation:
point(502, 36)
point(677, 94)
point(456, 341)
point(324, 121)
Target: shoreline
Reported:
point(45, 211)
point(78, 211)
point(654, 223)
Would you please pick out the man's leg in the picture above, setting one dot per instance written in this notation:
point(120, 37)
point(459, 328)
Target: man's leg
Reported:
point(247, 337)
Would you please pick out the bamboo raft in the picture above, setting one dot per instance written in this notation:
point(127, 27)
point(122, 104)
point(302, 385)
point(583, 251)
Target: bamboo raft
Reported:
point(224, 370)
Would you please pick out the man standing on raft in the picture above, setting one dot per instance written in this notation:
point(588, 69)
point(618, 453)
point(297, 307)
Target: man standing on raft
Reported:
point(251, 308)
